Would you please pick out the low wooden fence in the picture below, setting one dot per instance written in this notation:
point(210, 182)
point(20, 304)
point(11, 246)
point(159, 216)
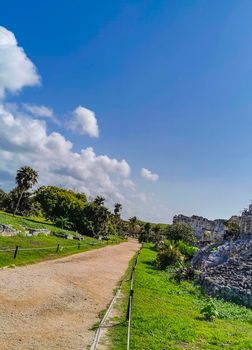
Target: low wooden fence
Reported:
point(57, 248)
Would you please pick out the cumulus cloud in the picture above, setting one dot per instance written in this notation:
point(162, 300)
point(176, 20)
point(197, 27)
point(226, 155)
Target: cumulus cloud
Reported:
point(16, 69)
point(24, 140)
point(84, 122)
point(149, 175)
point(127, 183)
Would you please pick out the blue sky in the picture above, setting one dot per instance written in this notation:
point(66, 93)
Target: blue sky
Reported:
point(170, 84)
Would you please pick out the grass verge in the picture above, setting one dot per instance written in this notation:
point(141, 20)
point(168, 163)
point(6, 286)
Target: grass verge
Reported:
point(166, 315)
point(21, 223)
point(67, 247)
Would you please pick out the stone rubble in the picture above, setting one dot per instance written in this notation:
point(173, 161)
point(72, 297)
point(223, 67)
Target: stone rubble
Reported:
point(226, 270)
point(7, 230)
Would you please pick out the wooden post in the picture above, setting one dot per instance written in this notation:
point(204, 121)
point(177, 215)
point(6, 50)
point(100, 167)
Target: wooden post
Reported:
point(58, 248)
point(129, 304)
point(15, 253)
point(132, 272)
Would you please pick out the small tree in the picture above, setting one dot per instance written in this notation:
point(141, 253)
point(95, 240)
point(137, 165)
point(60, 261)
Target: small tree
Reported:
point(3, 197)
point(180, 231)
point(145, 234)
point(26, 178)
point(232, 229)
point(63, 222)
point(157, 233)
point(169, 256)
point(117, 216)
point(99, 200)
point(117, 209)
point(133, 226)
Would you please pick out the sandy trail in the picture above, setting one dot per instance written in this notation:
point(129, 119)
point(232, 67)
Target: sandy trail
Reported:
point(53, 304)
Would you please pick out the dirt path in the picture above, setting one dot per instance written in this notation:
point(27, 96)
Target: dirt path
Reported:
point(53, 304)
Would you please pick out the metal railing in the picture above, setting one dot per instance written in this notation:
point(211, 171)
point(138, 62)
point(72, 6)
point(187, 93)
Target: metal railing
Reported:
point(129, 308)
point(130, 300)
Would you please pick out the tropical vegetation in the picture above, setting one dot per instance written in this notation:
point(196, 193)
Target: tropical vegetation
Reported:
point(175, 316)
point(63, 207)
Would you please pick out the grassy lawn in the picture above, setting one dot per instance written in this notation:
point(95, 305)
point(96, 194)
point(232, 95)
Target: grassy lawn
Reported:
point(20, 223)
point(67, 246)
point(166, 316)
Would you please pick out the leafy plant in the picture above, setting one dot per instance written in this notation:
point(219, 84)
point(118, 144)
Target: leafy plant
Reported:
point(169, 256)
point(210, 311)
point(186, 249)
point(184, 274)
point(180, 231)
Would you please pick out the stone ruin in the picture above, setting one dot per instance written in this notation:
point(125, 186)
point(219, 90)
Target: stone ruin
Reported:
point(7, 230)
point(203, 228)
point(35, 232)
point(226, 270)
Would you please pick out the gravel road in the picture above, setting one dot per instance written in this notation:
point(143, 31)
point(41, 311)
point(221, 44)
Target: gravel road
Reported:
point(53, 304)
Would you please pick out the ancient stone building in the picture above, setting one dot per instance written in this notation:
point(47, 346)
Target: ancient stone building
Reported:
point(245, 221)
point(203, 228)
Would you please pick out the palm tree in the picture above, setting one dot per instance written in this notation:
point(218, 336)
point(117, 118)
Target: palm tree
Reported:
point(99, 200)
point(26, 177)
point(133, 220)
point(133, 224)
point(117, 209)
point(63, 222)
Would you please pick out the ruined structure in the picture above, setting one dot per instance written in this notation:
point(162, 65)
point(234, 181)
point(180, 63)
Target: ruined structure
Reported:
point(226, 270)
point(203, 228)
point(245, 221)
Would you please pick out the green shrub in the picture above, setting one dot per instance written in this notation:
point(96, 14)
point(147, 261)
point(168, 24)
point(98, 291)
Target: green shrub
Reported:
point(180, 231)
point(184, 274)
point(210, 311)
point(169, 256)
point(186, 249)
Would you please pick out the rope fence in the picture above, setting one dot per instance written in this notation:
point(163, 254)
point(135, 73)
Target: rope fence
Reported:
point(58, 248)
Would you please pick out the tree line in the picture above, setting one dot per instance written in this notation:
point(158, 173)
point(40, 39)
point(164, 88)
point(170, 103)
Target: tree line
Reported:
point(72, 210)
point(66, 208)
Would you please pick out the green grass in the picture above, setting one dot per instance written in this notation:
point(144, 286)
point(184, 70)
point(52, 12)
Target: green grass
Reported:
point(67, 247)
point(166, 315)
point(21, 223)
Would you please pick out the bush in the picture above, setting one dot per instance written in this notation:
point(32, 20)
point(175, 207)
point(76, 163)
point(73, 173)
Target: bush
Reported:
point(184, 274)
point(186, 249)
point(169, 256)
point(180, 231)
point(210, 311)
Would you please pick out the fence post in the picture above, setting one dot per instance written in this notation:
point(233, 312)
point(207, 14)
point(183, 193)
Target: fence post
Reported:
point(58, 248)
point(132, 272)
point(78, 245)
point(129, 304)
point(15, 253)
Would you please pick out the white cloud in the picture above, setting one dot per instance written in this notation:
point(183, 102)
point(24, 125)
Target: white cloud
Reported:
point(84, 122)
point(38, 111)
point(127, 183)
point(24, 140)
point(149, 175)
point(16, 69)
